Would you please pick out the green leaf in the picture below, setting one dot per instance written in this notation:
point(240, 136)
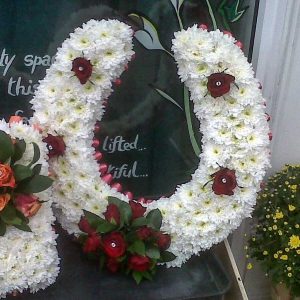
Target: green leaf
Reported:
point(177, 4)
point(36, 154)
point(155, 218)
point(93, 219)
point(148, 35)
point(105, 227)
point(167, 97)
point(9, 216)
point(231, 10)
point(101, 261)
point(2, 228)
point(137, 276)
point(142, 221)
point(20, 147)
point(37, 169)
point(147, 275)
point(124, 208)
point(23, 227)
point(153, 252)
point(6, 147)
point(137, 247)
point(36, 184)
point(166, 256)
point(21, 172)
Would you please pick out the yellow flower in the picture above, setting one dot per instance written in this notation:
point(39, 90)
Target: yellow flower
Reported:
point(290, 274)
point(265, 252)
point(249, 266)
point(291, 207)
point(294, 241)
point(284, 257)
point(275, 227)
point(275, 255)
point(293, 187)
point(279, 215)
point(298, 251)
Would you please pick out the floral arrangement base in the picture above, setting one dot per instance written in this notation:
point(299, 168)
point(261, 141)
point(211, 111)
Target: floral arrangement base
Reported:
point(280, 292)
point(200, 277)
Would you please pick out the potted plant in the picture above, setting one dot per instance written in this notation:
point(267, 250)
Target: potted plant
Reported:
point(275, 242)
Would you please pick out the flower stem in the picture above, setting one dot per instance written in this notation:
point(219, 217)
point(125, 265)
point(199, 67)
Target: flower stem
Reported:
point(187, 110)
point(211, 13)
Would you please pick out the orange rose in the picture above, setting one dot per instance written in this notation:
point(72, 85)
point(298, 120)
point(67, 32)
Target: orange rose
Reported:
point(6, 176)
point(28, 205)
point(4, 199)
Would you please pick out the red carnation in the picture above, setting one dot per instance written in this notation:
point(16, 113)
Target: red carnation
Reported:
point(114, 244)
point(138, 210)
point(92, 243)
point(139, 263)
point(82, 69)
point(163, 240)
point(112, 214)
point(55, 145)
point(218, 84)
point(85, 226)
point(224, 182)
point(144, 232)
point(112, 265)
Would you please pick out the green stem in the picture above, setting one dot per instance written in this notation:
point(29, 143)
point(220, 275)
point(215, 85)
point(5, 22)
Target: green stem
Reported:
point(211, 13)
point(187, 110)
point(179, 20)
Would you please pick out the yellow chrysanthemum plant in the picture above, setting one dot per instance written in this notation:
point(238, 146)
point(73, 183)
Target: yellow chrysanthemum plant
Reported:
point(275, 242)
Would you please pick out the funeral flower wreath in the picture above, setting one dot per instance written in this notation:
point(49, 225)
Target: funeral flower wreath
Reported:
point(28, 255)
point(227, 101)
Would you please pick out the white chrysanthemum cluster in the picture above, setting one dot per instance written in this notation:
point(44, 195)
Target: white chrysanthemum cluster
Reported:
point(234, 128)
point(65, 107)
point(235, 136)
point(29, 260)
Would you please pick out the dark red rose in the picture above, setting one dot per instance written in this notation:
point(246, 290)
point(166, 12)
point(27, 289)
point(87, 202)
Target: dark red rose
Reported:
point(55, 145)
point(82, 69)
point(163, 240)
point(218, 84)
point(112, 265)
point(139, 263)
point(112, 214)
point(92, 243)
point(114, 244)
point(224, 182)
point(144, 232)
point(138, 210)
point(85, 226)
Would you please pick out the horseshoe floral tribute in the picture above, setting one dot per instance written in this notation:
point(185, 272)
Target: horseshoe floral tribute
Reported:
point(227, 101)
point(28, 255)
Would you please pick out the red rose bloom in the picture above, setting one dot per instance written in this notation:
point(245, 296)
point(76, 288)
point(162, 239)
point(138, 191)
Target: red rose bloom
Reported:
point(139, 263)
point(55, 145)
point(7, 178)
point(163, 240)
point(224, 182)
point(82, 69)
point(144, 232)
point(114, 244)
point(92, 243)
point(112, 214)
point(138, 210)
point(85, 226)
point(112, 265)
point(218, 84)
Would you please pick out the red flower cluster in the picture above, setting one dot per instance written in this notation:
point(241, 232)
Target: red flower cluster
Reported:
point(218, 84)
point(121, 239)
point(82, 69)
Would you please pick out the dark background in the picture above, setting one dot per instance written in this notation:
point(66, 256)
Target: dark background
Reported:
point(39, 27)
